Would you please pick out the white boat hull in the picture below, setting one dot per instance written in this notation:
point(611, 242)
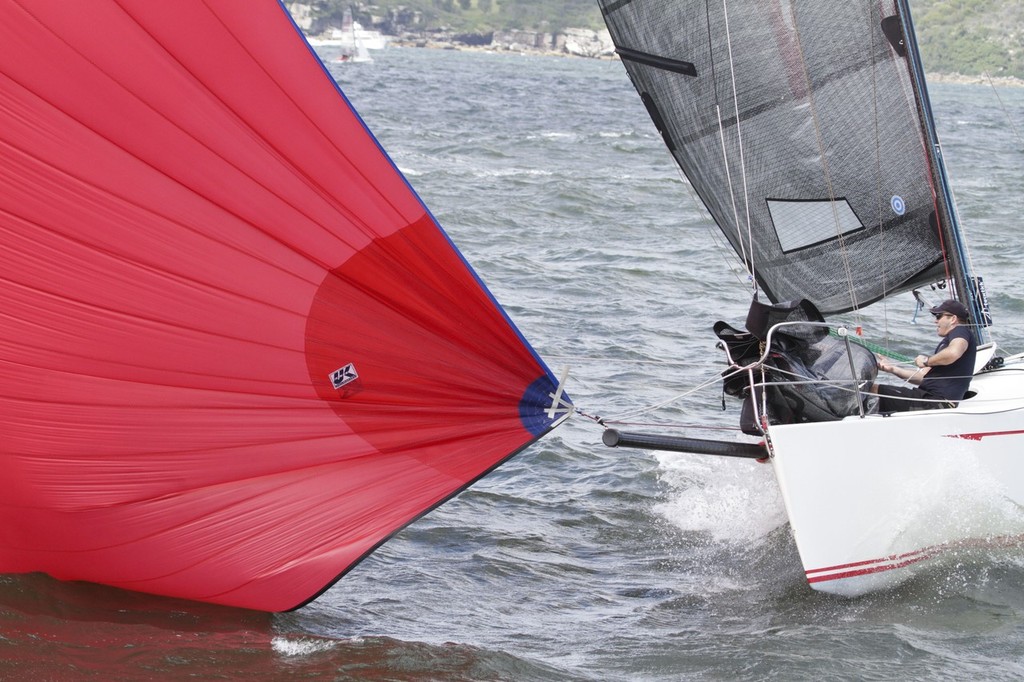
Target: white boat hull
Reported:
point(872, 500)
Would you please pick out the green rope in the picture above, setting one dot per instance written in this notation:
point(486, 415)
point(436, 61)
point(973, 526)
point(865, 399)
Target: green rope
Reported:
point(875, 348)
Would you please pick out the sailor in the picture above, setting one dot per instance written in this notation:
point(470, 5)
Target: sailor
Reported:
point(942, 378)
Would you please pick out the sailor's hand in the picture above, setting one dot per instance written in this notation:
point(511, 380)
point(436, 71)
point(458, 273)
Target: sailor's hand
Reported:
point(921, 361)
point(882, 364)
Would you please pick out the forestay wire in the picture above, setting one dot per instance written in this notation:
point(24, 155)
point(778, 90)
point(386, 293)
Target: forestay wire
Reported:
point(1009, 119)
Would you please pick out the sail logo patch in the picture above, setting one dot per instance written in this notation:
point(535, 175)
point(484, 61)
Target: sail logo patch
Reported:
point(345, 375)
point(899, 207)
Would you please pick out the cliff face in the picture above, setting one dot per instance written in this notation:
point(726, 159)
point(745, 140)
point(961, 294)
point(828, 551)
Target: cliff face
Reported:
point(587, 43)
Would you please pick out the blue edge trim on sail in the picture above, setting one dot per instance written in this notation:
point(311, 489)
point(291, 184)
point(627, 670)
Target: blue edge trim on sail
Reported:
point(426, 208)
point(536, 399)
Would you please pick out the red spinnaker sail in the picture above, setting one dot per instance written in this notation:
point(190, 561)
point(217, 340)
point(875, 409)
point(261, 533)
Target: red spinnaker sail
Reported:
point(237, 353)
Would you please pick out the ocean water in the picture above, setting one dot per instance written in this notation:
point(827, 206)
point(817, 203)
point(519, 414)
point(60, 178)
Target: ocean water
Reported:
point(575, 561)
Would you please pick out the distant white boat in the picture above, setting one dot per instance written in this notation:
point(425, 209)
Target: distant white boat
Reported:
point(351, 36)
point(371, 40)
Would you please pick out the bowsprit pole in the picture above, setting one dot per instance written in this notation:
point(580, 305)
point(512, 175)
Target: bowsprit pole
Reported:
point(649, 441)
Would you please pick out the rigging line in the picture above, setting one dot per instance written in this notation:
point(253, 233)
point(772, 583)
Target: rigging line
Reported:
point(603, 422)
point(1006, 113)
point(739, 144)
point(822, 150)
point(747, 262)
point(874, 347)
point(712, 227)
point(674, 425)
point(605, 360)
point(960, 249)
point(657, 406)
point(880, 206)
point(965, 246)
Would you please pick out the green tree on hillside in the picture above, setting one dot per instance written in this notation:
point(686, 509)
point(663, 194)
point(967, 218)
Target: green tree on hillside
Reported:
point(971, 37)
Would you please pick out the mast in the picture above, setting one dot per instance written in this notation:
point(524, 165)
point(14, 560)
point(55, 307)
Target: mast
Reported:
point(965, 284)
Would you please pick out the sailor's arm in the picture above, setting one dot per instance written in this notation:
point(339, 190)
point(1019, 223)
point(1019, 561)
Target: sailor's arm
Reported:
point(910, 374)
point(947, 356)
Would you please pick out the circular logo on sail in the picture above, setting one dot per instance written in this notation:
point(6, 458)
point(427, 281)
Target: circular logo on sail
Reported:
point(898, 207)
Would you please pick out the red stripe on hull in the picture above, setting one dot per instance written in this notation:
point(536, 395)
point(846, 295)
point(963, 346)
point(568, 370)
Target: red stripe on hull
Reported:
point(859, 568)
point(866, 571)
point(979, 436)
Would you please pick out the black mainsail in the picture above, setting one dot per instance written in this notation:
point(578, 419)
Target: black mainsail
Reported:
point(805, 129)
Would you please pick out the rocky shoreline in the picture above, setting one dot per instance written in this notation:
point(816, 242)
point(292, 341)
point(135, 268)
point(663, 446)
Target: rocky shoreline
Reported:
point(574, 42)
point(405, 27)
point(995, 81)
point(594, 45)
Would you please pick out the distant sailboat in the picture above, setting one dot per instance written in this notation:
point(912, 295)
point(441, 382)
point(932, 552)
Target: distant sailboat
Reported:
point(239, 353)
point(353, 42)
point(806, 130)
point(353, 46)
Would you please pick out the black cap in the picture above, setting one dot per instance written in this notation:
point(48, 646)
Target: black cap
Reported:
point(952, 307)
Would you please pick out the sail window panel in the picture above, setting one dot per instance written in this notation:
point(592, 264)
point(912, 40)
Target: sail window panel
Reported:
point(799, 224)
